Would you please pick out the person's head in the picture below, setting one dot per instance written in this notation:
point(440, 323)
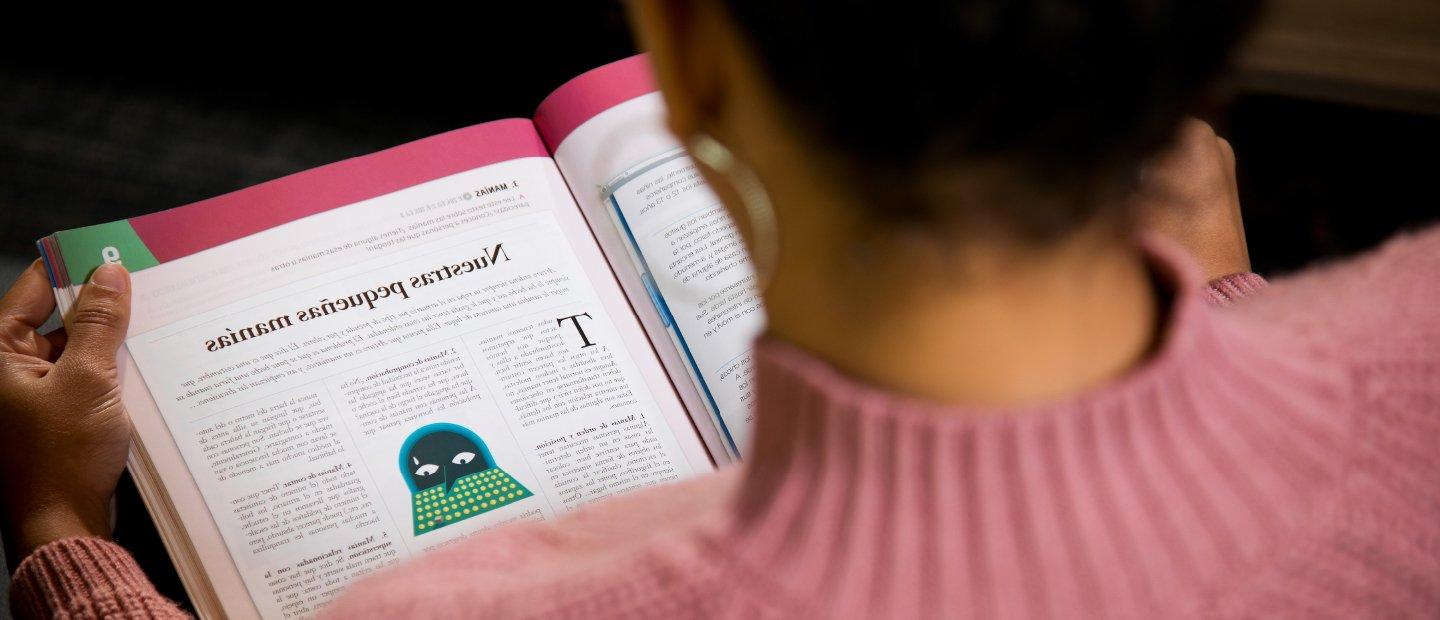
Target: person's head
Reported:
point(1021, 120)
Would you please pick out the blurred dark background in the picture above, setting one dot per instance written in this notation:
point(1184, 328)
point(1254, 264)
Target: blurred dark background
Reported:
point(1333, 116)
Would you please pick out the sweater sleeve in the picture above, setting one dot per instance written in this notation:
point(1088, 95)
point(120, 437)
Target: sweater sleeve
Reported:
point(86, 578)
point(1378, 306)
point(1226, 290)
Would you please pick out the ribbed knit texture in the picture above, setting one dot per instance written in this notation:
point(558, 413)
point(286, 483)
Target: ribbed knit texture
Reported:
point(1226, 290)
point(85, 578)
point(1277, 458)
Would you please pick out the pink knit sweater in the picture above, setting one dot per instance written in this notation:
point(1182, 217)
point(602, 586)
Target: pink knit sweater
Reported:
point(1275, 458)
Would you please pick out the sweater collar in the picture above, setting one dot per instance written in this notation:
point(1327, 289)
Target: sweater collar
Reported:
point(1186, 465)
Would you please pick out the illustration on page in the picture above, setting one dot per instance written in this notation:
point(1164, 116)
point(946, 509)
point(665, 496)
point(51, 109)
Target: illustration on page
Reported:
point(453, 477)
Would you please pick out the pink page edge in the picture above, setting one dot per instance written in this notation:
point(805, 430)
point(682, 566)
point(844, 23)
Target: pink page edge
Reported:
point(591, 93)
point(182, 231)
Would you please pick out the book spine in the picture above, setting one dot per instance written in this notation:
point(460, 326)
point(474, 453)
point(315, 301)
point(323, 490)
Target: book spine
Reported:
point(48, 258)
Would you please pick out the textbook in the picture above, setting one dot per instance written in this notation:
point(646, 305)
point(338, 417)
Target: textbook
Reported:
point(338, 370)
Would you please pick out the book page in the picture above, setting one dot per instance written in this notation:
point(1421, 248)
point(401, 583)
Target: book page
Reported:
point(649, 207)
point(391, 376)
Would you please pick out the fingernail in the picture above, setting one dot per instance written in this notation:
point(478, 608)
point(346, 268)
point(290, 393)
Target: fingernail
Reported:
point(112, 276)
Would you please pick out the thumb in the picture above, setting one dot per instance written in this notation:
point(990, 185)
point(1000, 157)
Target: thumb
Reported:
point(99, 319)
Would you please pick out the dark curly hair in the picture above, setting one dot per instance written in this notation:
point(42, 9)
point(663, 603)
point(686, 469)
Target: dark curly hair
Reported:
point(1051, 104)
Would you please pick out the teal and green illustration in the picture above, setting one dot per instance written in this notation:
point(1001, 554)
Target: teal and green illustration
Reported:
point(453, 477)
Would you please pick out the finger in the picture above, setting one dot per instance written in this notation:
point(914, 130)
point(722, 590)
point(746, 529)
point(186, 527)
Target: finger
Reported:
point(100, 318)
point(1227, 153)
point(54, 344)
point(35, 344)
point(30, 300)
point(1195, 134)
point(1227, 160)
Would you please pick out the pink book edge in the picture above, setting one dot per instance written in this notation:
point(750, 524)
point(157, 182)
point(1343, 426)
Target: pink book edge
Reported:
point(591, 93)
point(182, 231)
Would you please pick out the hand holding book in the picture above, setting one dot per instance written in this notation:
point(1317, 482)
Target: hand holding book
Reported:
point(1189, 194)
point(335, 371)
point(64, 434)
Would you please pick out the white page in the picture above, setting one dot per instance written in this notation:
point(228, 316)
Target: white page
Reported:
point(640, 193)
point(319, 423)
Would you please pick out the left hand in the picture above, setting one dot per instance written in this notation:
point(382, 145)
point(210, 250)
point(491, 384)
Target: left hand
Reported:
point(64, 434)
point(1189, 194)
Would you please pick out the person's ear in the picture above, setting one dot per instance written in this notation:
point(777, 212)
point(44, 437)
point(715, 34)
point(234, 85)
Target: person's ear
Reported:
point(686, 40)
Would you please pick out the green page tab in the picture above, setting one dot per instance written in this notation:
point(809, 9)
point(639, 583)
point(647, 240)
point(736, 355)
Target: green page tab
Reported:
point(85, 249)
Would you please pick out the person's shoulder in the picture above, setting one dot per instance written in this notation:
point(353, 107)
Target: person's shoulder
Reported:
point(623, 555)
point(1381, 304)
point(1376, 319)
point(1373, 319)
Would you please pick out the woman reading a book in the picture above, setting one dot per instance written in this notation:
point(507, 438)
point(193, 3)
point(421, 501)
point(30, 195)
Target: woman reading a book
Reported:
point(993, 384)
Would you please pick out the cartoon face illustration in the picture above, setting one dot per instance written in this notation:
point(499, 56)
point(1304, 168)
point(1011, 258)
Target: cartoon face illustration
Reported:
point(445, 456)
point(453, 477)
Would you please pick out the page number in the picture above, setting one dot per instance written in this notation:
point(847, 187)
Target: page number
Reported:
point(110, 254)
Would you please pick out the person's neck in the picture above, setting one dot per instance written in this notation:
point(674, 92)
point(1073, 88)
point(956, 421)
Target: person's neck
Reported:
point(981, 325)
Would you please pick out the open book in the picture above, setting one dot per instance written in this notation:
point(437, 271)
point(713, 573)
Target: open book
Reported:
point(335, 371)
